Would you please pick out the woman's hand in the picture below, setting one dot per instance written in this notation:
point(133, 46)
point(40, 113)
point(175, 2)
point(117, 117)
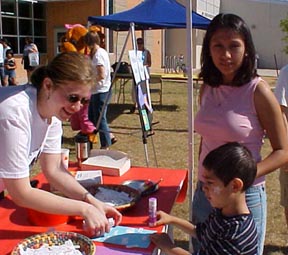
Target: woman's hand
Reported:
point(95, 222)
point(107, 212)
point(111, 212)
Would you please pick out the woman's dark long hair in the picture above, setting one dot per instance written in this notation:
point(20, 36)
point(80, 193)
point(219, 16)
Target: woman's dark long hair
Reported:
point(209, 72)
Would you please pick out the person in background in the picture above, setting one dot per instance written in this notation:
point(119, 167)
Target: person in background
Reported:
point(103, 45)
point(102, 39)
point(28, 48)
point(80, 120)
point(31, 129)
point(281, 93)
point(229, 171)
point(6, 46)
point(101, 93)
point(10, 68)
point(2, 73)
point(146, 55)
point(147, 62)
point(236, 105)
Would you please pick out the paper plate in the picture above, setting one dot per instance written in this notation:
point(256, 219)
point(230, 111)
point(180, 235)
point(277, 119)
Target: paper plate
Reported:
point(87, 247)
point(119, 196)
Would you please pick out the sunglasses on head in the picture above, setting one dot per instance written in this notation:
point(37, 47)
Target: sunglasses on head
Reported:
point(75, 98)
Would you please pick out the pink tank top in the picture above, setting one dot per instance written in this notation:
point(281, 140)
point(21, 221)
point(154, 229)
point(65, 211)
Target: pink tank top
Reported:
point(228, 114)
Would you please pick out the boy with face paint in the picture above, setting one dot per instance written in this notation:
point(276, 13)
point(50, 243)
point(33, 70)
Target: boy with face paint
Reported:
point(229, 171)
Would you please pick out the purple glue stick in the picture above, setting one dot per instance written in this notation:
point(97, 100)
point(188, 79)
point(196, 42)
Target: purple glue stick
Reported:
point(152, 211)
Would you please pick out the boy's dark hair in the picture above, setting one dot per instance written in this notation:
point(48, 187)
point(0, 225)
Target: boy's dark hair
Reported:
point(232, 160)
point(210, 74)
point(140, 40)
point(28, 39)
point(4, 40)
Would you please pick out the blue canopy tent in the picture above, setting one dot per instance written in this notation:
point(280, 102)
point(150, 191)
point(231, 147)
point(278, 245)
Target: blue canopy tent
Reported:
point(151, 14)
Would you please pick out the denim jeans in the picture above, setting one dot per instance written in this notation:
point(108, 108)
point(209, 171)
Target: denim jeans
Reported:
point(2, 74)
point(257, 204)
point(96, 105)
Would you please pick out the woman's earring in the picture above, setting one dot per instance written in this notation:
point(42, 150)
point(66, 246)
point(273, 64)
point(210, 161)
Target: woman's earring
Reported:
point(246, 55)
point(48, 96)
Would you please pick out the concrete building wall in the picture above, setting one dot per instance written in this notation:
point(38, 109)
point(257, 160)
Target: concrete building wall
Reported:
point(74, 12)
point(263, 18)
point(176, 39)
point(78, 12)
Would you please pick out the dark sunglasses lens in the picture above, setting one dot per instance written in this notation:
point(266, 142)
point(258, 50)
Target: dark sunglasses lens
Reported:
point(73, 98)
point(84, 101)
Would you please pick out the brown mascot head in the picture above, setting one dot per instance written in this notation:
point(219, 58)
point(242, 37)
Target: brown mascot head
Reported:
point(73, 39)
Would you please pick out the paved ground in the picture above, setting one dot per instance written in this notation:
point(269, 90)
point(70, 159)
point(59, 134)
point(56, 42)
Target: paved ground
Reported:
point(22, 79)
point(268, 72)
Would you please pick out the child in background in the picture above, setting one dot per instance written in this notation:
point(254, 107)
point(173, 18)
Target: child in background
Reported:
point(9, 69)
point(229, 170)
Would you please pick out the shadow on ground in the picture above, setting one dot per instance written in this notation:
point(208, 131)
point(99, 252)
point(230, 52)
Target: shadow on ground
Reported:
point(115, 110)
point(272, 249)
point(68, 140)
point(183, 244)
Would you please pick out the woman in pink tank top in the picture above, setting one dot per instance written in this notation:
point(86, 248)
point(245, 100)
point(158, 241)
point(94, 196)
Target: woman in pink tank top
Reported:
point(237, 106)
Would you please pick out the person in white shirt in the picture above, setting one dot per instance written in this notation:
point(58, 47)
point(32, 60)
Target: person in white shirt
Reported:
point(30, 128)
point(101, 93)
point(29, 47)
point(6, 46)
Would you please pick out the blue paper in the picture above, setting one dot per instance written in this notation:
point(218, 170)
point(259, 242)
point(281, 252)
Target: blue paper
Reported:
point(127, 236)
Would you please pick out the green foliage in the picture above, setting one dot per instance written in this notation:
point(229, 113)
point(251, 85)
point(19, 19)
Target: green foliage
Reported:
point(284, 28)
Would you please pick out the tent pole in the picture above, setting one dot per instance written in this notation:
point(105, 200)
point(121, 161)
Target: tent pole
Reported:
point(112, 82)
point(144, 135)
point(190, 107)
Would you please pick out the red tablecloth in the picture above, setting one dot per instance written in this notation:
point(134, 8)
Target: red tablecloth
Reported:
point(14, 225)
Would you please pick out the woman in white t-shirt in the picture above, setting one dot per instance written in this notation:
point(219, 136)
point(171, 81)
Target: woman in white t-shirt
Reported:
point(30, 125)
point(101, 92)
point(29, 47)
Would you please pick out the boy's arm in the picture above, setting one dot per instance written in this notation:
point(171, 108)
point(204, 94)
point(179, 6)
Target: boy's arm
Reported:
point(184, 225)
point(163, 242)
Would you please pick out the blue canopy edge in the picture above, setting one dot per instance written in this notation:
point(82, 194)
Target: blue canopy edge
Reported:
point(151, 14)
